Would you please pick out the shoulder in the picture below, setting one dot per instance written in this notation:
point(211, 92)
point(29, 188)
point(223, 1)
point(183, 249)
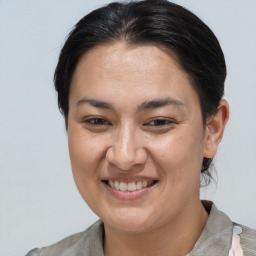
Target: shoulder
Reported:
point(59, 247)
point(247, 235)
point(216, 238)
point(248, 240)
point(78, 244)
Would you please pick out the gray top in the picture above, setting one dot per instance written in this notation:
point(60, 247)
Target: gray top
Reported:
point(215, 240)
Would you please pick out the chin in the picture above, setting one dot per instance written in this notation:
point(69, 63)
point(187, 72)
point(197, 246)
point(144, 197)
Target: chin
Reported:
point(130, 221)
point(132, 226)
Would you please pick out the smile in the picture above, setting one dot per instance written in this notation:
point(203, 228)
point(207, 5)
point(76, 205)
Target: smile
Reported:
point(130, 190)
point(131, 186)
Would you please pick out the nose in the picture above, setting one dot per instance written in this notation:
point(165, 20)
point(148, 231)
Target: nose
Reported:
point(126, 151)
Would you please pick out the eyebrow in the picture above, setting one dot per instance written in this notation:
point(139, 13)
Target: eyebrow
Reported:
point(95, 103)
point(157, 103)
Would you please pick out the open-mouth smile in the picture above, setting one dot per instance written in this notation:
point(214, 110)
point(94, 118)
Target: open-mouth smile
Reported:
point(129, 190)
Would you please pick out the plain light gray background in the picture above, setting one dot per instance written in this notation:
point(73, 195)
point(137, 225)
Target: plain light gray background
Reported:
point(39, 203)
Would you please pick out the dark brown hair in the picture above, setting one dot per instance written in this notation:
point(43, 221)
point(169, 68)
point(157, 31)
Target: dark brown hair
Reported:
point(157, 22)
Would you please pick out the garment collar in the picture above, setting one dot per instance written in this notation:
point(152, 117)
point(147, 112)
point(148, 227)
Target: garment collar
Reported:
point(214, 240)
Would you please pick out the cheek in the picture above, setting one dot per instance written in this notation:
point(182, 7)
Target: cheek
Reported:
point(180, 153)
point(86, 154)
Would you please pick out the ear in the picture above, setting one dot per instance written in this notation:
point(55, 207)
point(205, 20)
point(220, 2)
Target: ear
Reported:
point(215, 128)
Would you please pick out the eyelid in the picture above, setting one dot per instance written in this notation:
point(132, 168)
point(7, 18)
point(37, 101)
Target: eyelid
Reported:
point(159, 122)
point(89, 120)
point(165, 121)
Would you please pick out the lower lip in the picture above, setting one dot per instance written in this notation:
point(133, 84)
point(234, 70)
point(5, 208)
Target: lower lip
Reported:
point(128, 195)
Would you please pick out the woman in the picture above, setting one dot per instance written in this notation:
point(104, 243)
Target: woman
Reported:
point(140, 85)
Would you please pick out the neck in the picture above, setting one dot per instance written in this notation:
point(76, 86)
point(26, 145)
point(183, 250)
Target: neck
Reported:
point(177, 237)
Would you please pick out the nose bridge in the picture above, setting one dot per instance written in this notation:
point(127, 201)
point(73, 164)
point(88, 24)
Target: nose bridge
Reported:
point(124, 143)
point(126, 151)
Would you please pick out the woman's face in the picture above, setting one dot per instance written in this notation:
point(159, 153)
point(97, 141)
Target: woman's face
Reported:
point(136, 137)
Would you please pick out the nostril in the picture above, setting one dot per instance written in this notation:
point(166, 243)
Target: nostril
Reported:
point(126, 158)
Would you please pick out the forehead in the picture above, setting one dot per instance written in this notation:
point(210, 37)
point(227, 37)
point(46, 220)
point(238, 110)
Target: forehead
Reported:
point(120, 56)
point(130, 72)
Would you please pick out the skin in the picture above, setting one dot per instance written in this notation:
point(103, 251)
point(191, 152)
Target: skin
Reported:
point(122, 140)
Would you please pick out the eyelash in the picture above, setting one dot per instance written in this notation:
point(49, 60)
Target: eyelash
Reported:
point(96, 121)
point(158, 122)
point(161, 122)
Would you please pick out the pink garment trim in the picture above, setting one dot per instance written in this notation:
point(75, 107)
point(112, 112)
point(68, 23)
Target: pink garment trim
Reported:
point(236, 249)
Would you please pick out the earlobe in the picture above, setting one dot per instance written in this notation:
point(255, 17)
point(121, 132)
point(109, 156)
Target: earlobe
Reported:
point(215, 128)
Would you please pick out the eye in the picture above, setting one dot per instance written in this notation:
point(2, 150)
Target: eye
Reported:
point(96, 121)
point(160, 122)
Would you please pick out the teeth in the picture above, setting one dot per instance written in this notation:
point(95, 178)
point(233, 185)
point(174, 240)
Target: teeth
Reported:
point(139, 185)
point(111, 183)
point(144, 183)
point(117, 185)
point(150, 182)
point(123, 186)
point(131, 186)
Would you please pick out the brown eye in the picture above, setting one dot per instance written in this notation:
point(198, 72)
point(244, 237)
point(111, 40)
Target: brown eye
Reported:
point(96, 121)
point(159, 122)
